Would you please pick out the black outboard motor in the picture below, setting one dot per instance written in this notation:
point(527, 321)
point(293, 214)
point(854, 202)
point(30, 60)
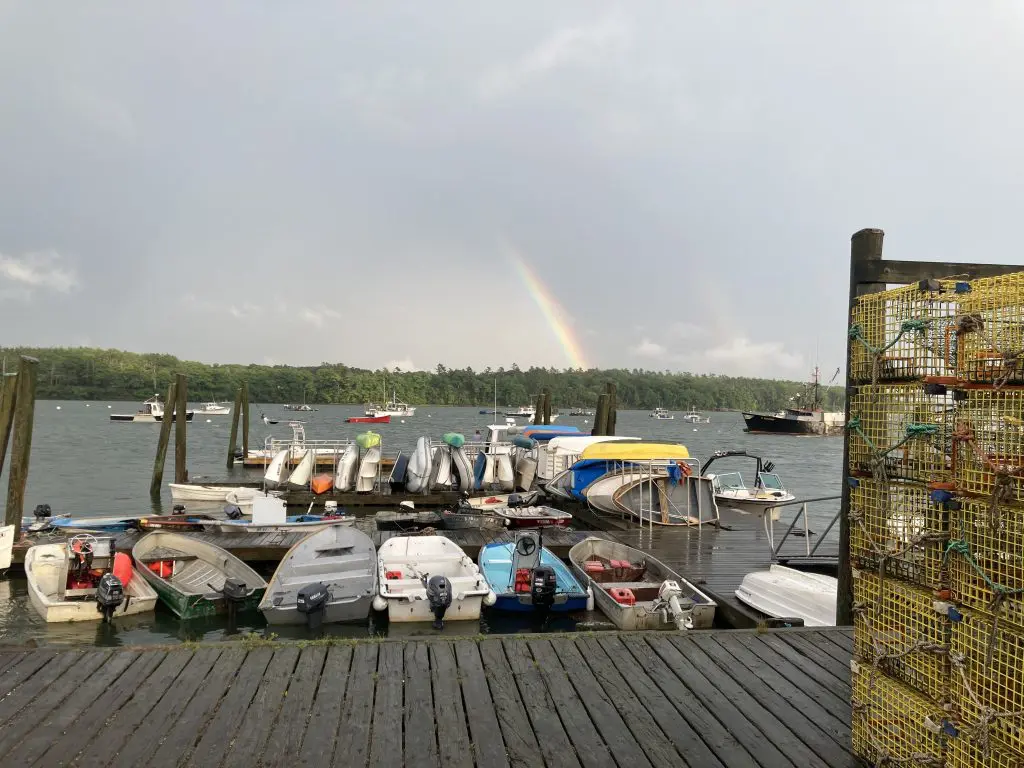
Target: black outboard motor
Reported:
point(235, 592)
point(42, 512)
point(542, 588)
point(109, 595)
point(312, 601)
point(233, 512)
point(515, 500)
point(439, 596)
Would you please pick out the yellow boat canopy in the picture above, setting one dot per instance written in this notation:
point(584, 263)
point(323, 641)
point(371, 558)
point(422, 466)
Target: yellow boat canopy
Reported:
point(635, 451)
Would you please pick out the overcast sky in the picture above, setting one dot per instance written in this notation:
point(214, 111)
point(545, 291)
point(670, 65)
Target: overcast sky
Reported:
point(323, 181)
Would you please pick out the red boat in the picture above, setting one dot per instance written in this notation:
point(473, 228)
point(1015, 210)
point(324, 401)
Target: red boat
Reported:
point(369, 419)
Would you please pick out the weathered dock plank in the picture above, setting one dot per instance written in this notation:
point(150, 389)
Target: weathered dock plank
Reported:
point(745, 699)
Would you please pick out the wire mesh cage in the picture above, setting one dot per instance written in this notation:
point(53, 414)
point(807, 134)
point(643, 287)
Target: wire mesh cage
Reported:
point(989, 444)
point(986, 685)
point(986, 559)
point(902, 431)
point(906, 334)
point(893, 722)
point(897, 628)
point(991, 331)
point(896, 527)
point(966, 752)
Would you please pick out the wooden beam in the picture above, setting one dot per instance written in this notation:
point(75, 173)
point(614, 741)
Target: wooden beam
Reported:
point(180, 426)
point(245, 420)
point(160, 462)
point(601, 416)
point(21, 447)
point(8, 395)
point(904, 272)
point(233, 438)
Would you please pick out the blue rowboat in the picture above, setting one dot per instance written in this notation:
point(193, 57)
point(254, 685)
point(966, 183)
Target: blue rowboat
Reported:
point(498, 563)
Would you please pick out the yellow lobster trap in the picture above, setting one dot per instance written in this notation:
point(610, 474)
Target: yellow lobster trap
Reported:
point(900, 529)
point(901, 630)
point(991, 332)
point(986, 684)
point(965, 752)
point(989, 444)
point(906, 334)
point(985, 559)
point(894, 723)
point(902, 431)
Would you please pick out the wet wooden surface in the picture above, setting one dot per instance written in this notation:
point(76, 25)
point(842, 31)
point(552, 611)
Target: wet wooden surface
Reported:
point(773, 699)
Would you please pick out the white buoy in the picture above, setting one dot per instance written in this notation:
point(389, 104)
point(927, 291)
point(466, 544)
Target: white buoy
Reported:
point(58, 407)
point(430, 415)
point(694, 429)
point(108, 406)
point(585, 421)
point(209, 420)
point(379, 603)
point(403, 421)
point(87, 405)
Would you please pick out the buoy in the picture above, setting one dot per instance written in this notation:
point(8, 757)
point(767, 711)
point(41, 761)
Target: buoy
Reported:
point(58, 407)
point(585, 421)
point(87, 405)
point(403, 421)
point(108, 406)
point(123, 567)
point(490, 598)
point(209, 420)
point(430, 415)
point(380, 604)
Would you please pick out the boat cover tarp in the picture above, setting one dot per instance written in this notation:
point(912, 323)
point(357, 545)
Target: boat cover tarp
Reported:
point(454, 439)
point(368, 440)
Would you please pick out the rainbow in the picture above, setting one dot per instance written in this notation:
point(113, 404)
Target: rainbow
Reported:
point(552, 311)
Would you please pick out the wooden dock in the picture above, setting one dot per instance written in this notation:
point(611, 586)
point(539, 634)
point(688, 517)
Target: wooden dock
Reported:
point(777, 699)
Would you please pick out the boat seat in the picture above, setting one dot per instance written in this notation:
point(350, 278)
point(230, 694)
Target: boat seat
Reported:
point(165, 553)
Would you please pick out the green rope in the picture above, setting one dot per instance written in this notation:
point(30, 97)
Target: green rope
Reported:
point(912, 431)
point(857, 334)
point(962, 548)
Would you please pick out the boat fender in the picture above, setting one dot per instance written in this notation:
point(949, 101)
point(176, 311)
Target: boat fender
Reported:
point(544, 585)
point(379, 603)
point(490, 598)
point(311, 600)
point(439, 596)
point(123, 568)
point(590, 598)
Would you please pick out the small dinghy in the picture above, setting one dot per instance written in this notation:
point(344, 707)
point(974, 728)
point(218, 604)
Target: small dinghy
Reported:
point(238, 495)
point(526, 576)
point(195, 578)
point(368, 468)
point(786, 593)
point(417, 477)
point(327, 578)
point(406, 518)
point(43, 520)
point(289, 524)
point(321, 483)
point(177, 522)
point(83, 579)
point(441, 472)
point(278, 471)
point(532, 517)
point(429, 578)
point(396, 480)
point(462, 469)
point(299, 478)
point(347, 468)
point(636, 591)
point(500, 500)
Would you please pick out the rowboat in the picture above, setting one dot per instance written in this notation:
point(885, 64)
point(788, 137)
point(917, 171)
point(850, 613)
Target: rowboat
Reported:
point(195, 578)
point(384, 419)
point(83, 579)
point(328, 577)
point(429, 578)
point(785, 593)
point(527, 576)
point(636, 591)
point(237, 495)
point(500, 500)
point(532, 517)
point(176, 522)
point(290, 523)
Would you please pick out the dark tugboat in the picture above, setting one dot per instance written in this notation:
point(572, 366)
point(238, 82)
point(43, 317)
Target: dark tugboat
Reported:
point(807, 419)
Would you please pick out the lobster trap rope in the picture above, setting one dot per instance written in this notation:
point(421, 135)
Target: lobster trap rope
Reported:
point(974, 323)
point(980, 731)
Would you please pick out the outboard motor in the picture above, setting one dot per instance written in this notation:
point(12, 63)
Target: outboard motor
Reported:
point(42, 512)
point(679, 608)
point(439, 597)
point(516, 500)
point(235, 592)
point(178, 509)
point(312, 601)
point(109, 595)
point(542, 588)
point(233, 512)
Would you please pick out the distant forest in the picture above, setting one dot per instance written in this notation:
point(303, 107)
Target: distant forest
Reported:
point(82, 373)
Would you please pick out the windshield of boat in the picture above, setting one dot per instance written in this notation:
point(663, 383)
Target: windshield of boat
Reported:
point(730, 481)
point(771, 482)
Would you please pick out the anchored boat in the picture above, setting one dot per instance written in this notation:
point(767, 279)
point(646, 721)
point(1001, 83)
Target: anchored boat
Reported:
point(195, 578)
point(637, 591)
point(526, 576)
point(429, 578)
point(152, 411)
point(730, 490)
point(327, 578)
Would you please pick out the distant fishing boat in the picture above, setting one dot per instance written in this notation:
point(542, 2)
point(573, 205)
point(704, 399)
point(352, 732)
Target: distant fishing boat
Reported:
point(379, 419)
point(213, 409)
point(152, 411)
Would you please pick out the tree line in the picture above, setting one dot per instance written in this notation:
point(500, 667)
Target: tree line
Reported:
point(81, 373)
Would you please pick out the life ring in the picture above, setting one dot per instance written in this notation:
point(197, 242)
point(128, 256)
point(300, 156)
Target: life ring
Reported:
point(685, 468)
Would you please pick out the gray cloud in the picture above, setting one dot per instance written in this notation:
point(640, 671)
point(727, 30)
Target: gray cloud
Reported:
point(338, 182)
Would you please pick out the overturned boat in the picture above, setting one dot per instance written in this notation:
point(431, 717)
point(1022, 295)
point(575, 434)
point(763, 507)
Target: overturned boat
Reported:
point(786, 593)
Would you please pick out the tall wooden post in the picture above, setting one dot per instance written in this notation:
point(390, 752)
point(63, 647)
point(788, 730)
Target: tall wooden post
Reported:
point(8, 395)
point(613, 404)
point(601, 416)
point(161, 446)
point(236, 414)
point(538, 409)
point(21, 447)
point(180, 425)
point(245, 420)
point(547, 405)
point(865, 249)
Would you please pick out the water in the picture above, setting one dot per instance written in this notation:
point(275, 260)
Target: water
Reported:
point(85, 464)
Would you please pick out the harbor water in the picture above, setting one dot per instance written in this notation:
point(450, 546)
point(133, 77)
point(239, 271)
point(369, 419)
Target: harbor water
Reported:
point(84, 464)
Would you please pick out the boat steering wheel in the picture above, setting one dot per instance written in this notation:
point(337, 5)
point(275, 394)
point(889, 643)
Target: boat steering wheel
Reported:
point(85, 543)
point(526, 546)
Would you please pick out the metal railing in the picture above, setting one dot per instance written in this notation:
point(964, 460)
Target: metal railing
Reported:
point(769, 525)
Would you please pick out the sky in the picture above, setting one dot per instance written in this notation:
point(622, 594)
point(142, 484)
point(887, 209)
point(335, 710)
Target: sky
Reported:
point(656, 185)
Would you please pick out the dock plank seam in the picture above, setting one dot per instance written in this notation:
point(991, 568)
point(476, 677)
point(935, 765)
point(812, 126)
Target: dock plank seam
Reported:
point(296, 708)
point(324, 716)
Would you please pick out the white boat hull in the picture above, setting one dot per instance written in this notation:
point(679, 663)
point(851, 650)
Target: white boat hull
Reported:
point(783, 592)
point(239, 496)
point(368, 471)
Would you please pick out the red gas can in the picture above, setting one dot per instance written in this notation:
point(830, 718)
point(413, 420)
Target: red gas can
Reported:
point(622, 595)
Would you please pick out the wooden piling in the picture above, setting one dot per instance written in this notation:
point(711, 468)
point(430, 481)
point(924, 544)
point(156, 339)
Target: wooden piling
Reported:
point(236, 414)
point(180, 426)
point(547, 405)
point(21, 445)
point(601, 416)
point(245, 420)
point(613, 404)
point(160, 462)
point(538, 409)
point(8, 390)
